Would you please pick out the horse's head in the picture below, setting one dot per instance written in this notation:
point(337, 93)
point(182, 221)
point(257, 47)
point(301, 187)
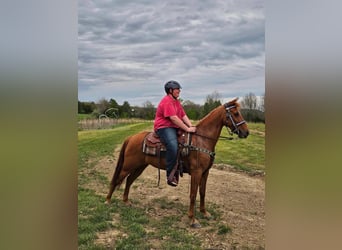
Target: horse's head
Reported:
point(234, 119)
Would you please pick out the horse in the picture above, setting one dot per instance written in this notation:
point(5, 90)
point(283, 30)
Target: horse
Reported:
point(132, 161)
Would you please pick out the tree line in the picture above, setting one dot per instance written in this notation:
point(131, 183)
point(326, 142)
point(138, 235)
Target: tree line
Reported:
point(252, 108)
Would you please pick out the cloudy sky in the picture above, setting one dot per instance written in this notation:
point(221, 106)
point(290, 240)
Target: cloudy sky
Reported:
point(129, 49)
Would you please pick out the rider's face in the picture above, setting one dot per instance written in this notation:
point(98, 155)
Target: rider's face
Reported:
point(175, 93)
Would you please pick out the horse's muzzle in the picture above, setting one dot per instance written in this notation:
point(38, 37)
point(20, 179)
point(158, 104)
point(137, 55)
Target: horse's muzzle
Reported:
point(243, 133)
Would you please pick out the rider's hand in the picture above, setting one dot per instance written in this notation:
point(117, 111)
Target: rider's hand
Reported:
point(191, 130)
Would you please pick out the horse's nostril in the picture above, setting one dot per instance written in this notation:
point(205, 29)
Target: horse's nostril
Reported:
point(244, 134)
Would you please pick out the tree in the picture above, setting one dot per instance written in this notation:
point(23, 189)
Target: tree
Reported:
point(86, 107)
point(192, 110)
point(148, 110)
point(125, 110)
point(249, 109)
point(262, 103)
point(113, 104)
point(102, 106)
point(249, 101)
point(212, 101)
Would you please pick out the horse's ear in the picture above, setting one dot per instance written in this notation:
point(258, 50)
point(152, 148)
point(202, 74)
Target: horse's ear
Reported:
point(234, 100)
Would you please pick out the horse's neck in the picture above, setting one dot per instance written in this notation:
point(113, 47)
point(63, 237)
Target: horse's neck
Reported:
point(211, 125)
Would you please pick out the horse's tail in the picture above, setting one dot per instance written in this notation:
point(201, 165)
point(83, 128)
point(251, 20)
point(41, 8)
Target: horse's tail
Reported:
point(120, 162)
point(115, 180)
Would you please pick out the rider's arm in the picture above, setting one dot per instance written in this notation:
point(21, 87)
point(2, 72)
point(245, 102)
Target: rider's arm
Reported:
point(175, 119)
point(187, 121)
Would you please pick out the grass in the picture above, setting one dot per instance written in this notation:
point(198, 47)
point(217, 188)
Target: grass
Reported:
point(224, 229)
point(138, 229)
point(84, 116)
point(244, 154)
point(99, 143)
point(93, 215)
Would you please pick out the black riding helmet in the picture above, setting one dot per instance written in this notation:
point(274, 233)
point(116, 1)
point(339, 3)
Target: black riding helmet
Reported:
point(171, 85)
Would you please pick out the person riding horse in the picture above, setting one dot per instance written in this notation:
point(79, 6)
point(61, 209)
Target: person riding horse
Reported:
point(170, 116)
point(133, 160)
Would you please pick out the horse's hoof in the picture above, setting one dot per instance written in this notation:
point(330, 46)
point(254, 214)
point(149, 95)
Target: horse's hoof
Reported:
point(128, 203)
point(207, 215)
point(107, 202)
point(196, 225)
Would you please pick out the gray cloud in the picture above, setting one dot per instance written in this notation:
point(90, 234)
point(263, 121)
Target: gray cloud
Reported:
point(127, 50)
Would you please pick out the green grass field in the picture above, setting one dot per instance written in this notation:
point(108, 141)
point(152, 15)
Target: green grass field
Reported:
point(84, 116)
point(95, 217)
point(245, 154)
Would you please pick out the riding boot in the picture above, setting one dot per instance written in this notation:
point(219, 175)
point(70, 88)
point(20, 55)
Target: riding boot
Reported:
point(173, 177)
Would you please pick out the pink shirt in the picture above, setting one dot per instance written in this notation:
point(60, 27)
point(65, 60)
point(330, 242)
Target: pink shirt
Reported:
point(167, 107)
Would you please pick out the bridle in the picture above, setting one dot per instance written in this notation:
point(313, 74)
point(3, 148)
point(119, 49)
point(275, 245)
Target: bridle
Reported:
point(230, 117)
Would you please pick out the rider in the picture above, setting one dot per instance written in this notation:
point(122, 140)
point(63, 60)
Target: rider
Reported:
point(170, 116)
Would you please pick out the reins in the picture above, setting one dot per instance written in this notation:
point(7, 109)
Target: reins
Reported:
point(235, 125)
point(226, 137)
point(204, 136)
point(220, 137)
point(203, 150)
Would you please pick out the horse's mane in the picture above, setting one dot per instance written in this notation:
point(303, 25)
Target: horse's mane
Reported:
point(209, 114)
point(230, 103)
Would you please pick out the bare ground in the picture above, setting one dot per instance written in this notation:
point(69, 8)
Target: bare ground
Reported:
point(238, 197)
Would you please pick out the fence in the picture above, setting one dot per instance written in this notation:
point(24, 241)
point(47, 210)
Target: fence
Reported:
point(104, 123)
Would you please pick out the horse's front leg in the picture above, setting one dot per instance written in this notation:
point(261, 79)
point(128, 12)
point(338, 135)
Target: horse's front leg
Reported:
point(203, 186)
point(195, 180)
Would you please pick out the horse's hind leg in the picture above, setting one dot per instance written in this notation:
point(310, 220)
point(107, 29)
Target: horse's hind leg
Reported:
point(130, 179)
point(115, 183)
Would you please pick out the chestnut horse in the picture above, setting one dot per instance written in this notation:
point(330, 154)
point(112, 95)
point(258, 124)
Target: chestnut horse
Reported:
point(132, 161)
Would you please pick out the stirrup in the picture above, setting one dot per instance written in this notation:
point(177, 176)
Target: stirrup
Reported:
point(173, 182)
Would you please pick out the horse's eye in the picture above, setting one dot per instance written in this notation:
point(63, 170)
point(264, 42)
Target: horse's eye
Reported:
point(236, 114)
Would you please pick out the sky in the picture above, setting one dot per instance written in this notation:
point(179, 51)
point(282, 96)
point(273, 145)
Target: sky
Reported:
point(128, 50)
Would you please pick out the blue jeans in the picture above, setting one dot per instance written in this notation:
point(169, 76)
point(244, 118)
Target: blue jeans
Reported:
point(168, 136)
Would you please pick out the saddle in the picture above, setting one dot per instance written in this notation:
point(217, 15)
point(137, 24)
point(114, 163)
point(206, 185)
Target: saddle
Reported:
point(153, 146)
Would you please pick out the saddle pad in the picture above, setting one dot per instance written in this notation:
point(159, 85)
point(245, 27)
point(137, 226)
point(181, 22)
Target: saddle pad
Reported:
point(152, 144)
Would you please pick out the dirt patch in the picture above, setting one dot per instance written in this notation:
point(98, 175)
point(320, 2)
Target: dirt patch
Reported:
point(238, 197)
point(257, 132)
